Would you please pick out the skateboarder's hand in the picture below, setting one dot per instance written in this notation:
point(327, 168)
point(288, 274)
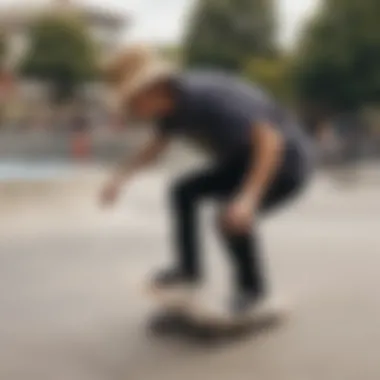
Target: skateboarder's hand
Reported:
point(239, 214)
point(110, 192)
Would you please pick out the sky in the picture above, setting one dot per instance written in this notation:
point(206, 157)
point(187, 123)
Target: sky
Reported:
point(164, 20)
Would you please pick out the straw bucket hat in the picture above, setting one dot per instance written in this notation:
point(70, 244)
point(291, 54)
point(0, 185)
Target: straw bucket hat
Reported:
point(134, 70)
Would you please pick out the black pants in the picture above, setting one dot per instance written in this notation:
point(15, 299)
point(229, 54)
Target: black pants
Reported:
point(221, 183)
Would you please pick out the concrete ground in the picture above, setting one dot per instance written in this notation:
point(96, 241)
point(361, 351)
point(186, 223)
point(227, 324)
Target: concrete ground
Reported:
point(71, 274)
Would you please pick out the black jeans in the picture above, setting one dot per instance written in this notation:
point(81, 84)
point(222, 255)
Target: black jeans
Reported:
point(221, 183)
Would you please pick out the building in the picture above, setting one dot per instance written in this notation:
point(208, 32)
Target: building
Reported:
point(106, 26)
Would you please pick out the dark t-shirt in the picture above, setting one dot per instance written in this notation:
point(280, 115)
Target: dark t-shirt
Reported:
point(219, 111)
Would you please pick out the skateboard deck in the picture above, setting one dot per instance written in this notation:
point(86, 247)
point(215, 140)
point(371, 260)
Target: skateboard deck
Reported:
point(266, 313)
point(191, 319)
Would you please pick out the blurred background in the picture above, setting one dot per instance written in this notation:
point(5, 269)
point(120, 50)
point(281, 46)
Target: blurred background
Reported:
point(70, 273)
point(319, 57)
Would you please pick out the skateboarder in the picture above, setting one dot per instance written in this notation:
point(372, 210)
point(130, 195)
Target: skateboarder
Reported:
point(259, 158)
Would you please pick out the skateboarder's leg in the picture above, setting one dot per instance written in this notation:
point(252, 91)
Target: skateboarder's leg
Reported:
point(185, 198)
point(246, 256)
point(286, 186)
point(244, 249)
point(186, 195)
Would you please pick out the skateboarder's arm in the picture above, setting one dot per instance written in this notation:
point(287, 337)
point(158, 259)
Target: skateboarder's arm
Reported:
point(268, 146)
point(146, 156)
point(128, 167)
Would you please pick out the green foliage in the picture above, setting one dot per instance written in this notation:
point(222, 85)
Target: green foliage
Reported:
point(61, 53)
point(172, 52)
point(225, 33)
point(3, 48)
point(272, 74)
point(338, 62)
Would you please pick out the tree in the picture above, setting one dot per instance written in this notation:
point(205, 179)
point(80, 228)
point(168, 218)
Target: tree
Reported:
point(338, 61)
point(61, 53)
point(272, 74)
point(172, 52)
point(3, 49)
point(226, 33)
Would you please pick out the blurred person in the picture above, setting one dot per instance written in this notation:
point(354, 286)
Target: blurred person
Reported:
point(259, 160)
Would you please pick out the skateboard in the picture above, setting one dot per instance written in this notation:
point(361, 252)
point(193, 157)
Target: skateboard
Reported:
point(190, 319)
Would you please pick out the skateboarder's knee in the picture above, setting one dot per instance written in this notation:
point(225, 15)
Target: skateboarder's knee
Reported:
point(225, 228)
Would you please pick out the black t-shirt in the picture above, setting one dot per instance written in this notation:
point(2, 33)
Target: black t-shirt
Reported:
point(219, 111)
